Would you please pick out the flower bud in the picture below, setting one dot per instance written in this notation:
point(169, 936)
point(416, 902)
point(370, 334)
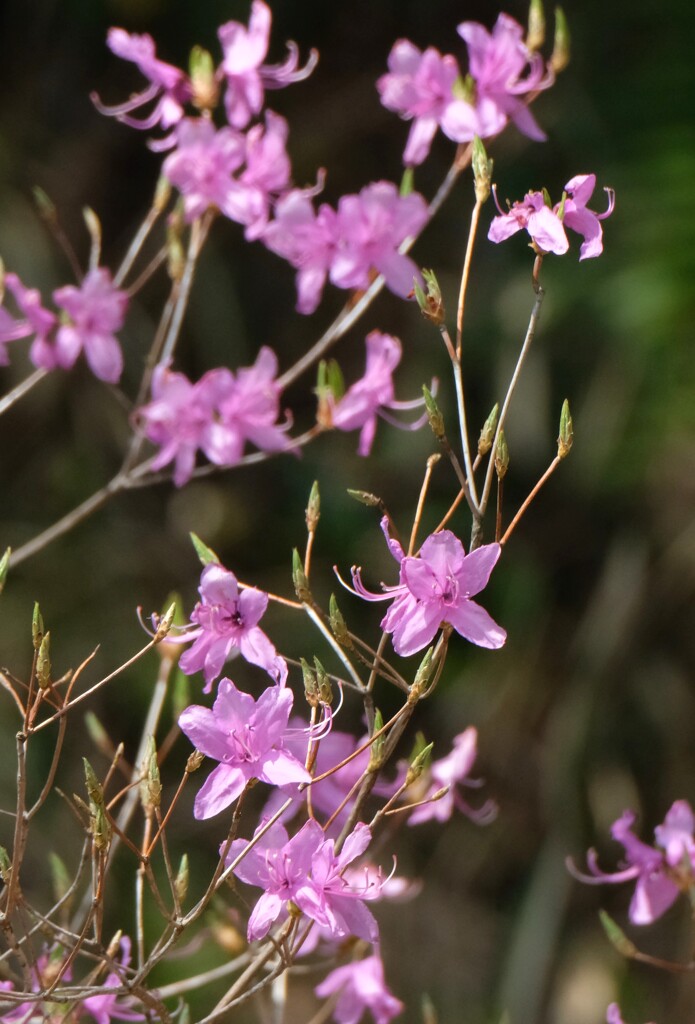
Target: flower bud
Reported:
point(101, 829)
point(616, 936)
point(94, 787)
point(43, 661)
point(150, 785)
point(566, 435)
point(36, 627)
point(535, 37)
point(365, 498)
point(501, 456)
point(313, 509)
point(204, 553)
point(436, 420)
point(482, 170)
point(301, 583)
point(181, 880)
point(4, 566)
point(323, 684)
point(424, 671)
point(165, 623)
point(487, 434)
point(418, 764)
point(194, 762)
point(560, 57)
point(430, 301)
point(376, 750)
point(338, 624)
point(203, 80)
point(311, 690)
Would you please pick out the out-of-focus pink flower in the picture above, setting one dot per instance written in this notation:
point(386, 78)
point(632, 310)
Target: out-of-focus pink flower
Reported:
point(434, 588)
point(613, 1015)
point(546, 225)
point(180, 418)
point(452, 771)
point(371, 227)
point(245, 736)
point(428, 88)
point(656, 871)
point(169, 87)
point(265, 177)
point(106, 1007)
point(243, 70)
point(307, 240)
point(372, 394)
point(37, 320)
point(96, 310)
point(249, 410)
point(202, 164)
point(360, 986)
point(226, 618)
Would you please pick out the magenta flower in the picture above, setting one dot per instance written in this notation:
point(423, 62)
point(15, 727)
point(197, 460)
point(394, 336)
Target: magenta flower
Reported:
point(249, 410)
point(307, 240)
point(96, 310)
point(246, 737)
point(243, 70)
point(180, 418)
point(106, 1006)
point(373, 393)
point(657, 872)
point(370, 227)
point(361, 987)
point(331, 900)
point(202, 165)
point(226, 619)
point(498, 62)
point(266, 176)
point(37, 320)
point(546, 225)
point(434, 588)
point(169, 88)
point(452, 771)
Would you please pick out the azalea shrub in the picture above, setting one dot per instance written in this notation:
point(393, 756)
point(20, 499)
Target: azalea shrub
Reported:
point(249, 743)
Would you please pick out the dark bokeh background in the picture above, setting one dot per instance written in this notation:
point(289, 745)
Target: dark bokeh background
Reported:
point(591, 706)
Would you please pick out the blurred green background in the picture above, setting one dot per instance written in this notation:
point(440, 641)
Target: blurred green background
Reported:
point(590, 707)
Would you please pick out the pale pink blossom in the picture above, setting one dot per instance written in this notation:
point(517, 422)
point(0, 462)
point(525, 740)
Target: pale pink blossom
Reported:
point(107, 1006)
point(242, 67)
point(435, 588)
point(96, 311)
point(202, 164)
point(224, 620)
point(307, 240)
point(360, 986)
point(37, 320)
point(246, 737)
point(452, 771)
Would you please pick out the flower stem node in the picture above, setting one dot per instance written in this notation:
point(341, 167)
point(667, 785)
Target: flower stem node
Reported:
point(430, 299)
point(487, 434)
point(299, 579)
point(566, 435)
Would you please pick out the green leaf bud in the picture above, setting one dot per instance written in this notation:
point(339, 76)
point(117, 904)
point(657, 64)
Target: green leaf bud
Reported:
point(299, 580)
point(311, 690)
point(365, 498)
point(203, 80)
point(36, 627)
point(566, 435)
point(434, 415)
point(94, 787)
point(535, 37)
point(430, 300)
point(313, 509)
point(204, 553)
point(419, 764)
point(181, 880)
point(616, 936)
point(43, 661)
point(501, 456)
point(482, 170)
point(323, 683)
point(560, 57)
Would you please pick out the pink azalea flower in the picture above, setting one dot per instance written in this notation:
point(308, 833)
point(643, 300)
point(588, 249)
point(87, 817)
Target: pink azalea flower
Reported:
point(180, 418)
point(361, 987)
point(202, 165)
point(249, 410)
point(243, 70)
point(371, 226)
point(96, 310)
point(452, 771)
point(654, 871)
point(434, 588)
point(106, 1006)
point(267, 174)
point(307, 240)
point(546, 225)
point(226, 619)
point(246, 737)
point(169, 88)
point(37, 320)
point(497, 64)
point(373, 393)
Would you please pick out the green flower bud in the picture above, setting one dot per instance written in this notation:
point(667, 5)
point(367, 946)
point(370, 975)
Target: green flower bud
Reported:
point(434, 415)
point(181, 881)
point(311, 690)
point(338, 624)
point(203, 80)
point(36, 627)
point(419, 764)
point(560, 57)
point(566, 435)
point(482, 170)
point(430, 301)
point(323, 683)
point(301, 583)
point(487, 434)
point(313, 509)
point(365, 498)
point(43, 661)
point(501, 456)
point(535, 37)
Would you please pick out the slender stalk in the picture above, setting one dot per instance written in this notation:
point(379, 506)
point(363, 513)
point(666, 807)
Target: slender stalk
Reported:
point(19, 390)
point(524, 506)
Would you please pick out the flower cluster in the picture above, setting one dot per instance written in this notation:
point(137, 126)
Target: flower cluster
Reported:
point(660, 872)
point(91, 315)
point(546, 224)
point(442, 779)
point(218, 415)
point(430, 90)
point(434, 588)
